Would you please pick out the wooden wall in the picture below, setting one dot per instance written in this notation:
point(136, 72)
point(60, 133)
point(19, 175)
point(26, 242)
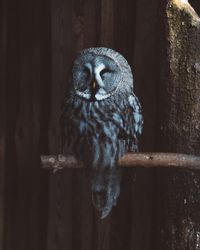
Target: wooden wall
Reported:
point(25, 108)
point(39, 39)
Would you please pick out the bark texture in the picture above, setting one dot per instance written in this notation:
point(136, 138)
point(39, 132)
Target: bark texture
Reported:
point(179, 192)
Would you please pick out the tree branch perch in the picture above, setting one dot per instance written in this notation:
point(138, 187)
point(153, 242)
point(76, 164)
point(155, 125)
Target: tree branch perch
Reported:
point(145, 160)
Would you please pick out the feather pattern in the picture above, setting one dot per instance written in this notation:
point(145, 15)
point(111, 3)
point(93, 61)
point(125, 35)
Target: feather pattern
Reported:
point(99, 132)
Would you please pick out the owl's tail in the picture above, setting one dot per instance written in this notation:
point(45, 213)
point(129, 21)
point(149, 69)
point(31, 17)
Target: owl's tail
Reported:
point(105, 184)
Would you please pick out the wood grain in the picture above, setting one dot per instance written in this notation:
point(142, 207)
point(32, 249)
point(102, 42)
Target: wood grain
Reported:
point(12, 79)
point(60, 190)
point(25, 184)
point(3, 42)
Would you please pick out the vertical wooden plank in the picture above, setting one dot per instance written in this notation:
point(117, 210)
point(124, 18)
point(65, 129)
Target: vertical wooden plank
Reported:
point(60, 211)
point(124, 27)
point(24, 195)
point(12, 79)
point(145, 66)
point(3, 12)
point(107, 23)
point(44, 117)
point(27, 131)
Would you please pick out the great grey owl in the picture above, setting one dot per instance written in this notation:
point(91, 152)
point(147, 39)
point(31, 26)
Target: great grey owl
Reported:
point(101, 119)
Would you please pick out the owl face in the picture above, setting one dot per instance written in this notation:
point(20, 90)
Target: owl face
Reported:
point(95, 77)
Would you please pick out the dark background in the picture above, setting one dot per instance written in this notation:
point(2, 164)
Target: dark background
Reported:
point(38, 42)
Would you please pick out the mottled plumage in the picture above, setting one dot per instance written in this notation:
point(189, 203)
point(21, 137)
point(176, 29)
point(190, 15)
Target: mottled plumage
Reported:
point(101, 119)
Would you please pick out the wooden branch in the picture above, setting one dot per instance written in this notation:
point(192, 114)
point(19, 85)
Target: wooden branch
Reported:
point(146, 160)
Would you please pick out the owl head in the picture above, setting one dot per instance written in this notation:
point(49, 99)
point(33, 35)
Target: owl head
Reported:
point(99, 73)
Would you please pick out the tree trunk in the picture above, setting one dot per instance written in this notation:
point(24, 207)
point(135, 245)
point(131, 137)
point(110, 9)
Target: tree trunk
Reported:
point(178, 215)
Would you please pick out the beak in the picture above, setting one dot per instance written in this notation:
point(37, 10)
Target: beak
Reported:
point(94, 85)
point(94, 88)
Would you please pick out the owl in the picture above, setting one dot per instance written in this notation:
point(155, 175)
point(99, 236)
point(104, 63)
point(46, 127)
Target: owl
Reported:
point(101, 120)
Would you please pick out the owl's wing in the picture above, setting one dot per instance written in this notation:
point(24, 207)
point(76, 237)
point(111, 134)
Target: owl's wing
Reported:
point(137, 118)
point(131, 124)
